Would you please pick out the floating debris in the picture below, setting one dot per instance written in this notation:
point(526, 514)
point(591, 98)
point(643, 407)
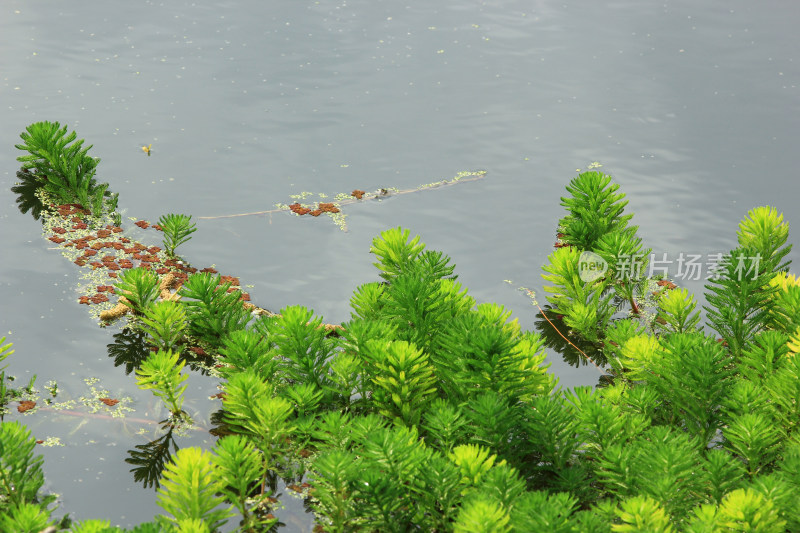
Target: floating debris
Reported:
point(334, 209)
point(25, 405)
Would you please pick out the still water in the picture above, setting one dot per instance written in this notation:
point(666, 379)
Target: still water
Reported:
point(692, 107)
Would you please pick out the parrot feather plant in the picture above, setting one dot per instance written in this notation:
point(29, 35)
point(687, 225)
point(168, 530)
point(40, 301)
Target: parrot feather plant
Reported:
point(63, 167)
point(433, 412)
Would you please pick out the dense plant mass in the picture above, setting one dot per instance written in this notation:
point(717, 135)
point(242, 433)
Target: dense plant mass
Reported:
point(428, 411)
point(61, 164)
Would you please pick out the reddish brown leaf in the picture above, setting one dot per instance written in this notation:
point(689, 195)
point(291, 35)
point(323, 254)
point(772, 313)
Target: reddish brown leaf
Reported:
point(25, 405)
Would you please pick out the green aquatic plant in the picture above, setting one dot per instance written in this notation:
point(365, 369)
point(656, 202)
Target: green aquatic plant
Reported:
point(693, 378)
point(165, 323)
point(741, 298)
point(333, 478)
point(189, 489)
point(63, 167)
point(606, 256)
point(244, 349)
point(239, 466)
point(594, 209)
point(395, 249)
point(252, 410)
point(404, 381)
point(26, 518)
point(304, 347)
point(627, 262)
point(139, 286)
point(21, 476)
point(586, 306)
point(161, 373)
point(676, 312)
point(212, 311)
point(431, 412)
point(5, 350)
point(177, 230)
point(742, 295)
point(745, 509)
point(755, 438)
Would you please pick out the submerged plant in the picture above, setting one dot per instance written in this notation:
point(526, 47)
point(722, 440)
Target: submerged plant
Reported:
point(177, 230)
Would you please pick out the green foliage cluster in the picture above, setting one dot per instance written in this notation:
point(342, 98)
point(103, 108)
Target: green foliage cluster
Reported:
point(595, 223)
point(432, 412)
point(5, 351)
point(177, 230)
point(139, 286)
point(161, 372)
point(21, 478)
point(211, 310)
point(63, 167)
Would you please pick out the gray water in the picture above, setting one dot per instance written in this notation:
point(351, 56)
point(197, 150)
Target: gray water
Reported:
point(692, 107)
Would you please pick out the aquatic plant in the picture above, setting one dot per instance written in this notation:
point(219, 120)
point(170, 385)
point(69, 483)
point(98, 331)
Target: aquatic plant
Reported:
point(452, 422)
point(247, 350)
point(21, 479)
point(239, 465)
point(161, 373)
point(5, 350)
point(595, 209)
point(177, 230)
point(334, 209)
point(26, 518)
point(428, 411)
point(587, 306)
point(606, 263)
point(139, 286)
point(164, 322)
point(304, 347)
point(741, 298)
point(676, 311)
point(395, 250)
point(212, 310)
point(253, 410)
point(63, 167)
point(189, 490)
